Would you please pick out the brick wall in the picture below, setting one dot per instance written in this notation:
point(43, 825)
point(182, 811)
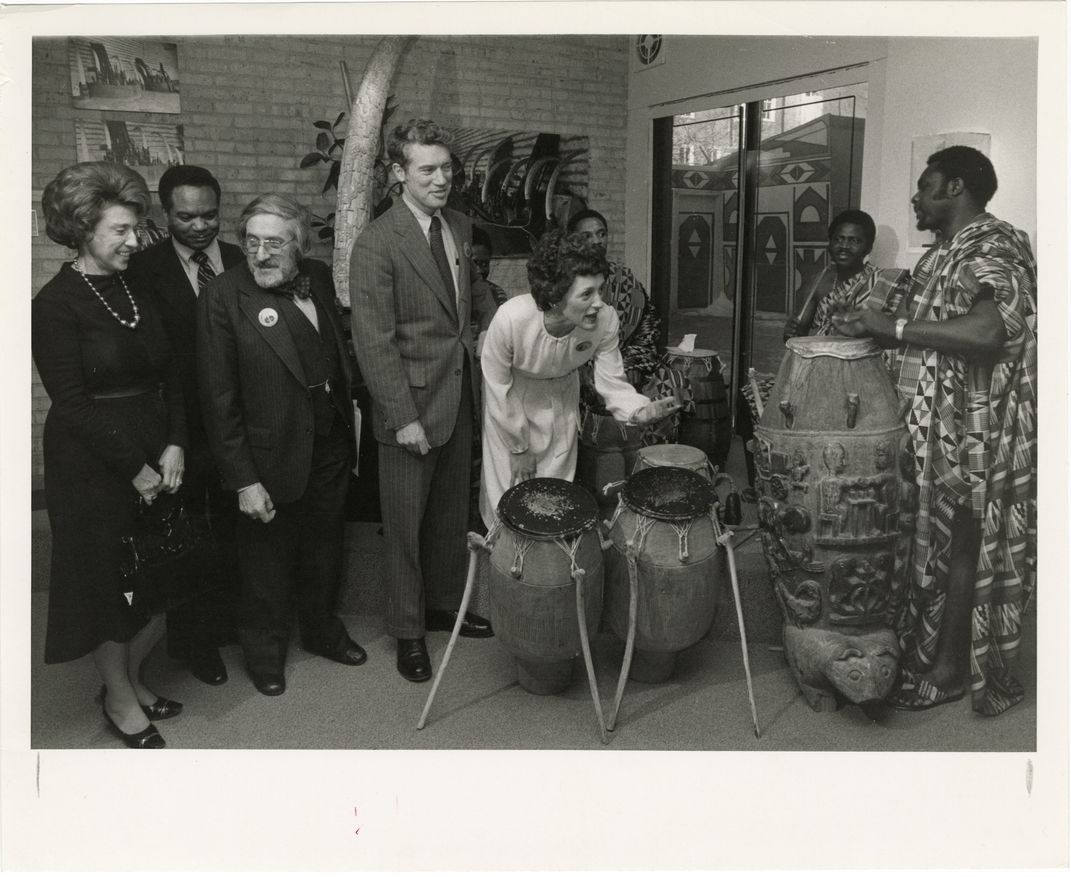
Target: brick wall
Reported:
point(248, 104)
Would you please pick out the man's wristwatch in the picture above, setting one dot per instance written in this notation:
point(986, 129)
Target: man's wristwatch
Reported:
point(900, 328)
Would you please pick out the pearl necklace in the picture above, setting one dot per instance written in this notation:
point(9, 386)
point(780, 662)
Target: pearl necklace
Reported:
point(129, 324)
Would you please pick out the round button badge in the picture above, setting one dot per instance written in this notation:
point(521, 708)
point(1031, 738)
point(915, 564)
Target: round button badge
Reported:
point(268, 317)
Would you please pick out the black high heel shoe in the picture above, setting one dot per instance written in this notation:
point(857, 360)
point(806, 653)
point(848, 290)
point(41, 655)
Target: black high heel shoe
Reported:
point(148, 738)
point(161, 708)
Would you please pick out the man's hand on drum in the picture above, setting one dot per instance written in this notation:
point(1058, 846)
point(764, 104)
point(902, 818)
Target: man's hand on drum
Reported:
point(522, 467)
point(654, 411)
point(865, 323)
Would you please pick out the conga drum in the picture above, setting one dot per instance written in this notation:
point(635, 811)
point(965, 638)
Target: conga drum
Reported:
point(606, 453)
point(827, 451)
point(544, 547)
point(680, 456)
point(709, 426)
point(665, 551)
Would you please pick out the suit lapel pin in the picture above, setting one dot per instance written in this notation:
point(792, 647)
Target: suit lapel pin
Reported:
point(268, 317)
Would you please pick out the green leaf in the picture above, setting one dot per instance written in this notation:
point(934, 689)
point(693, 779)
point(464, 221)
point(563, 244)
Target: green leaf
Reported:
point(327, 234)
point(311, 159)
point(322, 124)
point(323, 141)
point(341, 116)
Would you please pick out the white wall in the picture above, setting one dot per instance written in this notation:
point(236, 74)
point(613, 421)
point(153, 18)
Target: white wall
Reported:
point(933, 86)
point(914, 86)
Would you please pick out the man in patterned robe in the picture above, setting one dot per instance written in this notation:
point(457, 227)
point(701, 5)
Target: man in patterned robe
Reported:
point(967, 368)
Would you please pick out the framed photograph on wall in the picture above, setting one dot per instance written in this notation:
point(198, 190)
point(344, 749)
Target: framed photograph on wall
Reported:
point(123, 73)
point(150, 148)
point(922, 147)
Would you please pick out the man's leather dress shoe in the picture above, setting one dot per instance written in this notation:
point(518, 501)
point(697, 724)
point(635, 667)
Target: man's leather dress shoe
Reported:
point(413, 661)
point(270, 684)
point(350, 654)
point(472, 626)
point(208, 666)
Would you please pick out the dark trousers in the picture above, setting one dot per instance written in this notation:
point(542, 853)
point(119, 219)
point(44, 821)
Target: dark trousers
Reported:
point(296, 558)
point(425, 503)
point(207, 620)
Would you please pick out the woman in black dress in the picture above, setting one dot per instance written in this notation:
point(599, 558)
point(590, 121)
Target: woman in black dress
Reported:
point(115, 430)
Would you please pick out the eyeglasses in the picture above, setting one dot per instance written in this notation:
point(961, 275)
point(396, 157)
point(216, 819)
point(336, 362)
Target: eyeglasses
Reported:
point(252, 244)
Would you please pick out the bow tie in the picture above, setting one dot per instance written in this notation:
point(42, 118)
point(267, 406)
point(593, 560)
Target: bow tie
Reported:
point(296, 288)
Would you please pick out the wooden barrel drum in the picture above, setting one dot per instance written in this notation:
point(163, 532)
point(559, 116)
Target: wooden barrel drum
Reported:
point(664, 535)
point(709, 427)
point(545, 535)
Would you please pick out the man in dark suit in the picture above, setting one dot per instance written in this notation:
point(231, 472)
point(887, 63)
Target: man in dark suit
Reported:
point(275, 385)
point(411, 292)
point(175, 271)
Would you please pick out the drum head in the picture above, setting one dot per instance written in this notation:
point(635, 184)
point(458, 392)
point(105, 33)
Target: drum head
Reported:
point(682, 456)
point(669, 493)
point(548, 507)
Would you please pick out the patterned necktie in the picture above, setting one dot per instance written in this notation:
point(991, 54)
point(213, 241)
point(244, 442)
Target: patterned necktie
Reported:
point(205, 271)
point(438, 251)
point(296, 288)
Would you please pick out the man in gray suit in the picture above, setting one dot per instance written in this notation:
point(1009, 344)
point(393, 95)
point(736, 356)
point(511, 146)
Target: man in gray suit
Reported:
point(411, 291)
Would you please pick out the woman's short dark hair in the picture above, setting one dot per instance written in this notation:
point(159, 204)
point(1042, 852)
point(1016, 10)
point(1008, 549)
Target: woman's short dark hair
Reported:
point(587, 213)
point(75, 200)
point(557, 261)
point(856, 217)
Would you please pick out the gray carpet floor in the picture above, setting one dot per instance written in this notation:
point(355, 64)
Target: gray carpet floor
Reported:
point(480, 705)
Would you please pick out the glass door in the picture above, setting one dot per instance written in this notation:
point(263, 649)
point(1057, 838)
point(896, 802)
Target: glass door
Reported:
point(753, 189)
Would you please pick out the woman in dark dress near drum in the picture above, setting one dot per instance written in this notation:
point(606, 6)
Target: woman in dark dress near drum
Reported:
point(115, 430)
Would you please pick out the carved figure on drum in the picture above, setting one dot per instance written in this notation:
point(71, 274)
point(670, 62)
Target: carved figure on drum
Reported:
point(534, 347)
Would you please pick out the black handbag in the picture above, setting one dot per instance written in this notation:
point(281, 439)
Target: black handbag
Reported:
point(169, 556)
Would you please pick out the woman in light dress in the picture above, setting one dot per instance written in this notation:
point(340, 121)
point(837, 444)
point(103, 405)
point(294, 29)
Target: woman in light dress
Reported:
point(534, 346)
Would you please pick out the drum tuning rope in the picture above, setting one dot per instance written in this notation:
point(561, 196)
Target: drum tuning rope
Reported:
point(682, 539)
point(521, 548)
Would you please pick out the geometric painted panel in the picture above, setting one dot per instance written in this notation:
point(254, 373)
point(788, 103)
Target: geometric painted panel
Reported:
point(810, 213)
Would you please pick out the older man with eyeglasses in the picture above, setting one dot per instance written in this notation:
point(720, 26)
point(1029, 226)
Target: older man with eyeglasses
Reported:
point(275, 386)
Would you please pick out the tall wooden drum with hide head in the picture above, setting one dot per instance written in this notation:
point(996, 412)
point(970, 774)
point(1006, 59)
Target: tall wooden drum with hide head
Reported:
point(664, 535)
point(544, 541)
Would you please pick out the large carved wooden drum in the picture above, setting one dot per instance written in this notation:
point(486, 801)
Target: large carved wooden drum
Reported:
point(664, 535)
point(826, 450)
point(544, 546)
point(709, 426)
